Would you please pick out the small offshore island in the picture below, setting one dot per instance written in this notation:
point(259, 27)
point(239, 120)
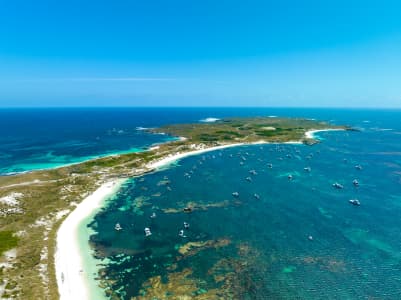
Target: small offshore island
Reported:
point(40, 201)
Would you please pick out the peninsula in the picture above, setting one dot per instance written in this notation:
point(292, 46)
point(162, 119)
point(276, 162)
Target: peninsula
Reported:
point(33, 205)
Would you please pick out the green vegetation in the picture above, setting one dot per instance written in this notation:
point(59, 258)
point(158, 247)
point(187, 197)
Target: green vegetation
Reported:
point(46, 193)
point(7, 241)
point(246, 130)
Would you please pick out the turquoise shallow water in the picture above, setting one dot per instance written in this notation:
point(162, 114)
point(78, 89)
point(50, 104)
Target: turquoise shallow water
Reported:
point(259, 247)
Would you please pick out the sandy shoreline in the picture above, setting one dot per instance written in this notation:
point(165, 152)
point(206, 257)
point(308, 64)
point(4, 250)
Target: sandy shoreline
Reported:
point(311, 133)
point(71, 280)
point(174, 157)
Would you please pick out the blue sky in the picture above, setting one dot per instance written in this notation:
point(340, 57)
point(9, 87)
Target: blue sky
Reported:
point(200, 53)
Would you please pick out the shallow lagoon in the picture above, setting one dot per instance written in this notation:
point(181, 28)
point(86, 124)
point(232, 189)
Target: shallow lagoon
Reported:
point(249, 248)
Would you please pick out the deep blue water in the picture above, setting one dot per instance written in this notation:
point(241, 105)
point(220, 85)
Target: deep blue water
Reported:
point(355, 252)
point(41, 138)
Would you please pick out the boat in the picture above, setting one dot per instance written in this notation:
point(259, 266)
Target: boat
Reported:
point(187, 209)
point(235, 194)
point(307, 169)
point(253, 172)
point(338, 186)
point(290, 177)
point(118, 227)
point(358, 167)
point(256, 196)
point(248, 179)
point(355, 182)
point(147, 231)
point(355, 202)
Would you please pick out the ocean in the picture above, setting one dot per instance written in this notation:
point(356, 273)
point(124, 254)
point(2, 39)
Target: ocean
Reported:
point(281, 237)
point(43, 138)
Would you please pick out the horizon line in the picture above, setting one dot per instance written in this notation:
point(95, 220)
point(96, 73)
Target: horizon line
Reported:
point(200, 107)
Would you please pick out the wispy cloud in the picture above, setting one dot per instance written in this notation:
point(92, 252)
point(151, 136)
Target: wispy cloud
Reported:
point(119, 79)
point(96, 79)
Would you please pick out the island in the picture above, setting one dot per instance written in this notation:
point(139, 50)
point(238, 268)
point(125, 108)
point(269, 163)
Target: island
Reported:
point(40, 210)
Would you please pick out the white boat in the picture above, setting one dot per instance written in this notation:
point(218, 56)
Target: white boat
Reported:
point(253, 172)
point(147, 231)
point(337, 185)
point(355, 202)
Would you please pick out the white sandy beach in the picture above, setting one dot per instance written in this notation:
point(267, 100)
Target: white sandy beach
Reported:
point(311, 133)
point(174, 157)
point(71, 278)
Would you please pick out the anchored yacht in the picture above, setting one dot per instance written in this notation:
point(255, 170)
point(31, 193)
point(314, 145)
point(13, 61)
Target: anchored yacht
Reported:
point(355, 202)
point(338, 186)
